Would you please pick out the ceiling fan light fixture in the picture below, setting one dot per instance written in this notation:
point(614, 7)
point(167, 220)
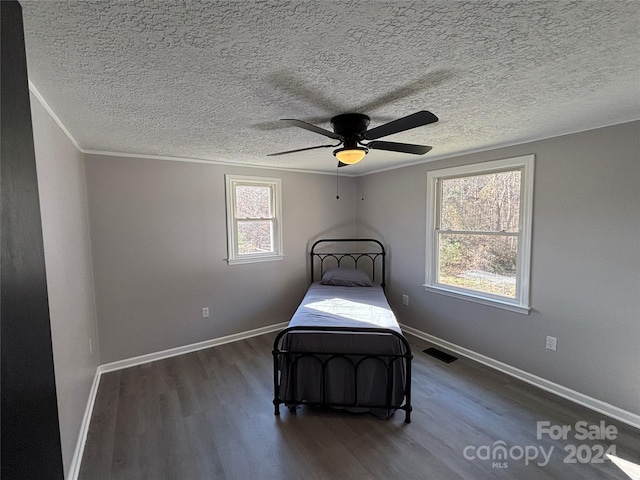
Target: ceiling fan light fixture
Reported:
point(350, 155)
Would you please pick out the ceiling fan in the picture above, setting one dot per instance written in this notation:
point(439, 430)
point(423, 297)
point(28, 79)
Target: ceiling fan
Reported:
point(351, 130)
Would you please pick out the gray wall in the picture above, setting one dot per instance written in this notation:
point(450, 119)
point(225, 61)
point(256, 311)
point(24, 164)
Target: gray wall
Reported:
point(159, 247)
point(585, 263)
point(67, 250)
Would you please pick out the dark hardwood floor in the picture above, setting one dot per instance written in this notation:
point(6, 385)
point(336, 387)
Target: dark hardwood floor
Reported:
point(209, 415)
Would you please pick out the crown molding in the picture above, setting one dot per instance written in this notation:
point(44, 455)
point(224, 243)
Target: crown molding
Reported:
point(36, 93)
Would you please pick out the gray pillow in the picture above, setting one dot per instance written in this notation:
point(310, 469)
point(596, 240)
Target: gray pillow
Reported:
point(346, 277)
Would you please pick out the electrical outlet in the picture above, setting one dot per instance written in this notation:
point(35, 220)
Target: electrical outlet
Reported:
point(405, 300)
point(205, 312)
point(552, 343)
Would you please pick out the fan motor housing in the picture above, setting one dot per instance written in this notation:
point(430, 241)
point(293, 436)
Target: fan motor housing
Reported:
point(350, 124)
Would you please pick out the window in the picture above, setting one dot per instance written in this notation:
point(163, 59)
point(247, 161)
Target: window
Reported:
point(254, 219)
point(479, 232)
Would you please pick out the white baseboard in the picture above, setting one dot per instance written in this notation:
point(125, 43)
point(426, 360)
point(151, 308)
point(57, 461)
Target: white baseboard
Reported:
point(74, 469)
point(564, 392)
point(172, 352)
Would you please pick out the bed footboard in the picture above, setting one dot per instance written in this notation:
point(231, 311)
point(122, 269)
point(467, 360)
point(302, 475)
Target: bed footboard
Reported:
point(308, 372)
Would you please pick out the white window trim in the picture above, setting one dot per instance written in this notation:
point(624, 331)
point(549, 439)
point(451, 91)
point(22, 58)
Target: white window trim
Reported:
point(521, 303)
point(233, 258)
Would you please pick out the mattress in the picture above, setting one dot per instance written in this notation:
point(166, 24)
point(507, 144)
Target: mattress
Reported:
point(358, 307)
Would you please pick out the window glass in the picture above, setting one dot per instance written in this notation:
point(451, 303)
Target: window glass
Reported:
point(482, 202)
point(253, 201)
point(255, 236)
point(479, 262)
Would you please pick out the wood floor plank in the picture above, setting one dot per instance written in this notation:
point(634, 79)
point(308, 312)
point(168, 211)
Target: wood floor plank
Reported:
point(209, 415)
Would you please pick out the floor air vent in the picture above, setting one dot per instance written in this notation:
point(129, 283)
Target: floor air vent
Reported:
point(440, 355)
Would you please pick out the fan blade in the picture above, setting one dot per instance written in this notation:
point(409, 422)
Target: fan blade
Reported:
point(311, 128)
point(399, 147)
point(342, 164)
point(414, 120)
point(300, 150)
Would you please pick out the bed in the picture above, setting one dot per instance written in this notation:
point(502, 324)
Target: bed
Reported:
point(343, 347)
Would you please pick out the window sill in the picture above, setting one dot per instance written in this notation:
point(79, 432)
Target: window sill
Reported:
point(479, 299)
point(243, 260)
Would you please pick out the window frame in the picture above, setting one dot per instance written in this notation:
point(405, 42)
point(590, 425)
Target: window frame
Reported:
point(275, 186)
point(521, 302)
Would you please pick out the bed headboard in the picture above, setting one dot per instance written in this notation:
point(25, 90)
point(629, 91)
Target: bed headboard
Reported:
point(366, 254)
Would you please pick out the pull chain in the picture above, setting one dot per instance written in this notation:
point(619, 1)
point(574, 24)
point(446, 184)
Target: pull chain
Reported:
point(337, 192)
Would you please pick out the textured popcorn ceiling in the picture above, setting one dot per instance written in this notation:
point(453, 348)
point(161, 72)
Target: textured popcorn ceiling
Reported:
point(208, 80)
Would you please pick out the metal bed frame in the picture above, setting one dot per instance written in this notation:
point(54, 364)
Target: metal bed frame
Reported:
point(281, 354)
